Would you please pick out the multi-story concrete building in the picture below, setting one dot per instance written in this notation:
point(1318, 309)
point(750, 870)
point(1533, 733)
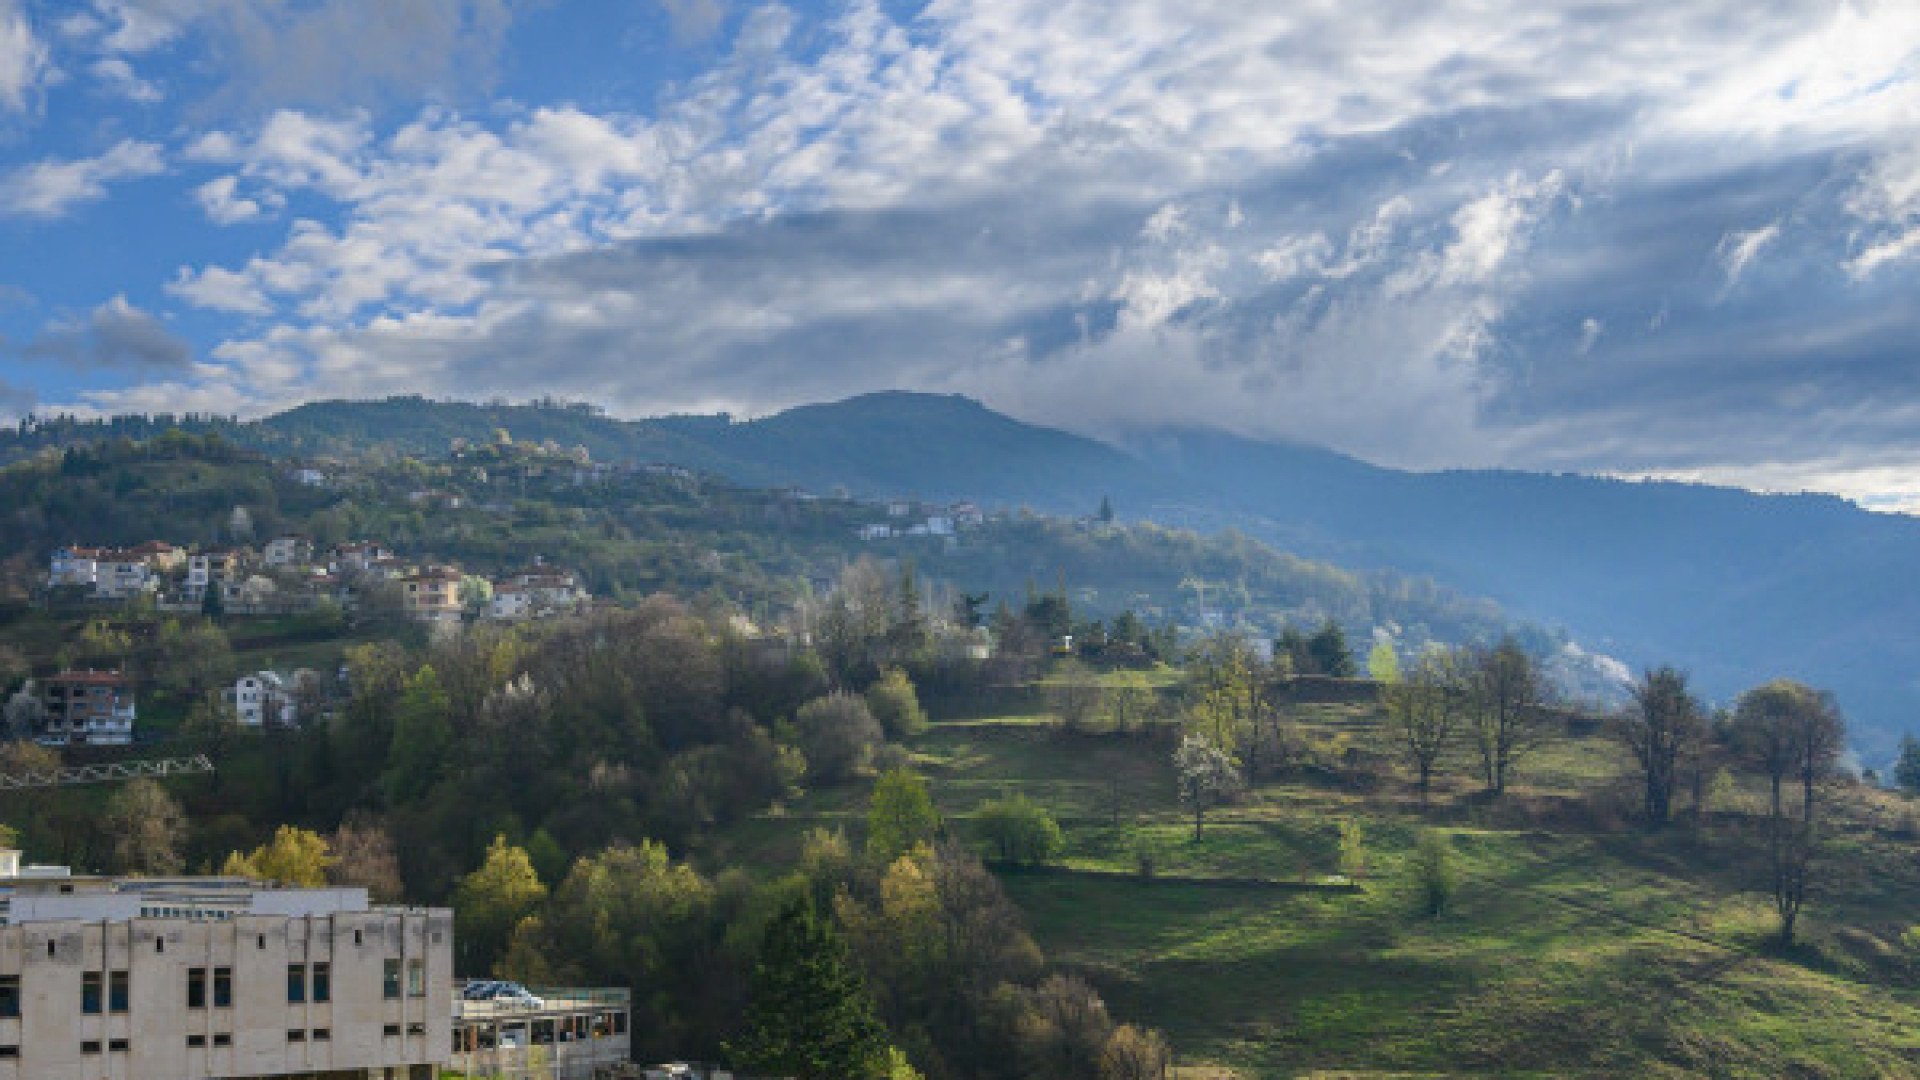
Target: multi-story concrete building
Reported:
point(213, 568)
point(88, 708)
point(202, 978)
point(433, 594)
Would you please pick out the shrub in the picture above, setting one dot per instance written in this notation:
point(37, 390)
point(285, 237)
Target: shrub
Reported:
point(894, 702)
point(837, 734)
point(1434, 873)
point(1019, 830)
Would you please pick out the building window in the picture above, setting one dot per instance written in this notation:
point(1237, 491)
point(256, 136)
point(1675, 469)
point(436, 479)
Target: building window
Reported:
point(416, 978)
point(390, 979)
point(322, 1034)
point(119, 987)
point(117, 1046)
point(416, 1029)
point(296, 983)
point(9, 1052)
point(159, 944)
point(222, 987)
point(223, 1038)
point(90, 993)
point(196, 988)
point(9, 995)
point(322, 982)
point(296, 1035)
point(90, 1046)
point(196, 1042)
point(391, 1031)
point(356, 937)
point(260, 941)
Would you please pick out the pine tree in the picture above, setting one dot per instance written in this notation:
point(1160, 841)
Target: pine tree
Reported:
point(1906, 772)
point(808, 1014)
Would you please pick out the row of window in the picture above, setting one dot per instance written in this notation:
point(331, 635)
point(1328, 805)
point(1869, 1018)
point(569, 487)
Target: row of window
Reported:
point(322, 982)
point(197, 988)
point(119, 986)
point(112, 991)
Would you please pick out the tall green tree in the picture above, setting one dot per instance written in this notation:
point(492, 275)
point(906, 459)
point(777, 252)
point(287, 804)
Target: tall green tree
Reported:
point(422, 736)
point(900, 816)
point(490, 902)
point(808, 1013)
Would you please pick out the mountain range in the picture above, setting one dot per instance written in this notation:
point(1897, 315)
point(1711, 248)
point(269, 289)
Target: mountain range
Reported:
point(1735, 587)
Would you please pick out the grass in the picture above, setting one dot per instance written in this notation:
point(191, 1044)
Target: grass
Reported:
point(1582, 949)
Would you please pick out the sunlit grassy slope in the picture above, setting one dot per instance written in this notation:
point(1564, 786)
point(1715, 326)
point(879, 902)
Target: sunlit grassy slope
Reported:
point(1577, 945)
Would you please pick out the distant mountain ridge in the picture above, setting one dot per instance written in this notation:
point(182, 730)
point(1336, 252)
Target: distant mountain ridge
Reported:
point(1735, 586)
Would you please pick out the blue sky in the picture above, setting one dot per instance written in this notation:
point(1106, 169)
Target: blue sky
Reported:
point(1648, 237)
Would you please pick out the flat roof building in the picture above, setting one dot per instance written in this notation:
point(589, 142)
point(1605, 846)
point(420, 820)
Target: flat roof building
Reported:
point(211, 977)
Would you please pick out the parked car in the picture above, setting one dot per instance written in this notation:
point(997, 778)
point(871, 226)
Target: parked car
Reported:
point(514, 995)
point(479, 989)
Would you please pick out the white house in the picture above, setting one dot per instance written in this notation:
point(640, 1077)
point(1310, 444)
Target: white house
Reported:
point(264, 697)
point(939, 525)
point(288, 549)
point(539, 591)
point(215, 566)
point(875, 532)
point(73, 566)
point(119, 575)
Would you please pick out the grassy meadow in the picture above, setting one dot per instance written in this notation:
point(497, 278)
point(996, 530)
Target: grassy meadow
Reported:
point(1576, 943)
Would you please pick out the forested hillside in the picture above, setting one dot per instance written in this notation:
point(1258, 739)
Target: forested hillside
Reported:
point(1733, 585)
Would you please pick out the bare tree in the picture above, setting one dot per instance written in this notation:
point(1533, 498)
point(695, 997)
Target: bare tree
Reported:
point(1075, 696)
point(1425, 709)
point(1665, 723)
point(1506, 691)
point(145, 829)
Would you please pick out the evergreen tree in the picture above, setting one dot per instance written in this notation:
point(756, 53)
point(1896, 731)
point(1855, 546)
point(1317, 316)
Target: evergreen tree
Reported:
point(1906, 772)
point(1328, 648)
point(808, 1014)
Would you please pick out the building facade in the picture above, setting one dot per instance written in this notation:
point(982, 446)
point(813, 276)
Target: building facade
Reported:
point(263, 698)
point(203, 978)
point(433, 594)
point(88, 708)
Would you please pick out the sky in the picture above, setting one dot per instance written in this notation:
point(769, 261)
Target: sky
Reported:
point(1641, 237)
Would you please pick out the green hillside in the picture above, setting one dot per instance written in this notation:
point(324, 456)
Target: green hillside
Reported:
point(1577, 945)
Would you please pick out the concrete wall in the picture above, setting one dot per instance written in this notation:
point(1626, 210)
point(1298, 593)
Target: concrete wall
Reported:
point(359, 1028)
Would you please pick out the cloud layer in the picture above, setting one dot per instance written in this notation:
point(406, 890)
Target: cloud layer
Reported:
point(1641, 237)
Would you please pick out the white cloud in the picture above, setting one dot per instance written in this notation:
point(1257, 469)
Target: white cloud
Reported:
point(120, 78)
point(1740, 248)
point(51, 188)
point(223, 205)
point(24, 60)
point(1351, 212)
point(1590, 331)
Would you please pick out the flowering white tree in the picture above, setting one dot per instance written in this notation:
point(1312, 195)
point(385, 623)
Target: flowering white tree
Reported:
point(1207, 775)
